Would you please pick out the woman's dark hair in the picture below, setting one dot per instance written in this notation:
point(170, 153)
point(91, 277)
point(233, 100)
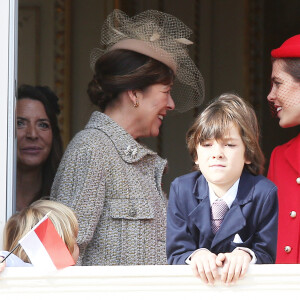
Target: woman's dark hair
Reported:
point(121, 70)
point(50, 101)
point(291, 66)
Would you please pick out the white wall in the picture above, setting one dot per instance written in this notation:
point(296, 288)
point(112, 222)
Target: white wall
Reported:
point(146, 282)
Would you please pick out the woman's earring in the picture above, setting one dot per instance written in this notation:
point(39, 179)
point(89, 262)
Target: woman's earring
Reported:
point(136, 104)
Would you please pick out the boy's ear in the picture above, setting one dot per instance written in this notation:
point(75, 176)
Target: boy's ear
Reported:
point(247, 161)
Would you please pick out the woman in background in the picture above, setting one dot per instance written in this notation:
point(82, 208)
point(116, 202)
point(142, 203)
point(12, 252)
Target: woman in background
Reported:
point(39, 145)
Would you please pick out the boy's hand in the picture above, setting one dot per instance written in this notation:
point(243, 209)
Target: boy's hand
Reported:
point(235, 265)
point(203, 264)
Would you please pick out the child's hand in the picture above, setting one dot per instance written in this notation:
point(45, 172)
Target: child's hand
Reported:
point(235, 265)
point(2, 265)
point(203, 264)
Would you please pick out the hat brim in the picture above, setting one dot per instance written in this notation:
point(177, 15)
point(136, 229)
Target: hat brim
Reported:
point(287, 51)
point(146, 49)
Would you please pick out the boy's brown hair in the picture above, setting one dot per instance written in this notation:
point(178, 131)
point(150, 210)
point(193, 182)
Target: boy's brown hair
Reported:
point(214, 122)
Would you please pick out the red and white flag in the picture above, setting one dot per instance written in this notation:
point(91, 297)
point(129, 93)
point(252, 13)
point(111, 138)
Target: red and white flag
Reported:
point(45, 248)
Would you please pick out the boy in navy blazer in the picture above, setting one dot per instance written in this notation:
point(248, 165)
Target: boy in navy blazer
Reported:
point(224, 145)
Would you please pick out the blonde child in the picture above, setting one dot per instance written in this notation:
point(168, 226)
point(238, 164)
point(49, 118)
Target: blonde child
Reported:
point(225, 214)
point(62, 217)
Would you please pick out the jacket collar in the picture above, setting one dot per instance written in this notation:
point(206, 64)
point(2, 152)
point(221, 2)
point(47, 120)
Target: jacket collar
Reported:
point(292, 153)
point(234, 220)
point(245, 190)
point(128, 148)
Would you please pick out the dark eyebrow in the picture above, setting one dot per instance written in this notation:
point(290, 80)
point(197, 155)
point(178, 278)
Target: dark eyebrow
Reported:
point(25, 119)
point(275, 78)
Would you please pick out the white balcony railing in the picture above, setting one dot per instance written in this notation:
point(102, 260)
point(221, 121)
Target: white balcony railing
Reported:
point(146, 282)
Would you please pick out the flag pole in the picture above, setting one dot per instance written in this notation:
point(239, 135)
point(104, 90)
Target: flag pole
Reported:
point(9, 254)
point(42, 220)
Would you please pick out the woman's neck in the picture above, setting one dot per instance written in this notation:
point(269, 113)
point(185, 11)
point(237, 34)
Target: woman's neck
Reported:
point(29, 183)
point(126, 119)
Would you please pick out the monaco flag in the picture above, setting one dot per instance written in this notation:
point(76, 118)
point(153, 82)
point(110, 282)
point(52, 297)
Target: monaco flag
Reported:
point(45, 248)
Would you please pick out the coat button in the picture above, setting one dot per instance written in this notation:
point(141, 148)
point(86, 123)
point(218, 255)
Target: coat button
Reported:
point(298, 180)
point(287, 249)
point(293, 214)
point(132, 212)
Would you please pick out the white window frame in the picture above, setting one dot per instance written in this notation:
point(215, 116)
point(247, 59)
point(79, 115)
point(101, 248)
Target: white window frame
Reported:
point(8, 84)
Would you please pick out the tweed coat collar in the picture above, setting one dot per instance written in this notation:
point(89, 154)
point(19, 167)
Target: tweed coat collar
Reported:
point(128, 148)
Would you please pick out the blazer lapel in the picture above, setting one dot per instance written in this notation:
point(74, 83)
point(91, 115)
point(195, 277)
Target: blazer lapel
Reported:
point(200, 215)
point(234, 220)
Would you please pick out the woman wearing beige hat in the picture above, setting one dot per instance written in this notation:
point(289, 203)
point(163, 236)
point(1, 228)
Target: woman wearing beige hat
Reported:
point(111, 180)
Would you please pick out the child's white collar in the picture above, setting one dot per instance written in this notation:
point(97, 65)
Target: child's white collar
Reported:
point(229, 197)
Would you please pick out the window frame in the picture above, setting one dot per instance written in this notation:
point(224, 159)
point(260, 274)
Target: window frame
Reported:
point(8, 84)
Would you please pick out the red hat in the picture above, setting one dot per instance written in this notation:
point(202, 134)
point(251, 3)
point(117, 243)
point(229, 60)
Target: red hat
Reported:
point(290, 48)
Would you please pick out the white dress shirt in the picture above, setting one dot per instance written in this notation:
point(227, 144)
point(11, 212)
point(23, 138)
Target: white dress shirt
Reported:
point(229, 197)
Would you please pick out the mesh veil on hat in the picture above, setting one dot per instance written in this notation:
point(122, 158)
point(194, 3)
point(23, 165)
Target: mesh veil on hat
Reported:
point(162, 37)
point(282, 98)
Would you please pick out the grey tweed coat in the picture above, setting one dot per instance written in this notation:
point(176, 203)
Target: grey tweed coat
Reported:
point(113, 184)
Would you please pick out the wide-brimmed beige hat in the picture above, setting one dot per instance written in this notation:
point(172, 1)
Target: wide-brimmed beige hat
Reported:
point(162, 37)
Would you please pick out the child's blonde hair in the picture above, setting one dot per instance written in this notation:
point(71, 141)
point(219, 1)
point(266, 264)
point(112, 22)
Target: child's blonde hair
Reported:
point(214, 123)
point(62, 217)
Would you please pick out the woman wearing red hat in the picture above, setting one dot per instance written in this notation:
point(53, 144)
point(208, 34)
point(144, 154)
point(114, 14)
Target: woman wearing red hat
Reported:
point(284, 170)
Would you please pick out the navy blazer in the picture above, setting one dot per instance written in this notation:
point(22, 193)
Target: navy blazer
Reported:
point(253, 215)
